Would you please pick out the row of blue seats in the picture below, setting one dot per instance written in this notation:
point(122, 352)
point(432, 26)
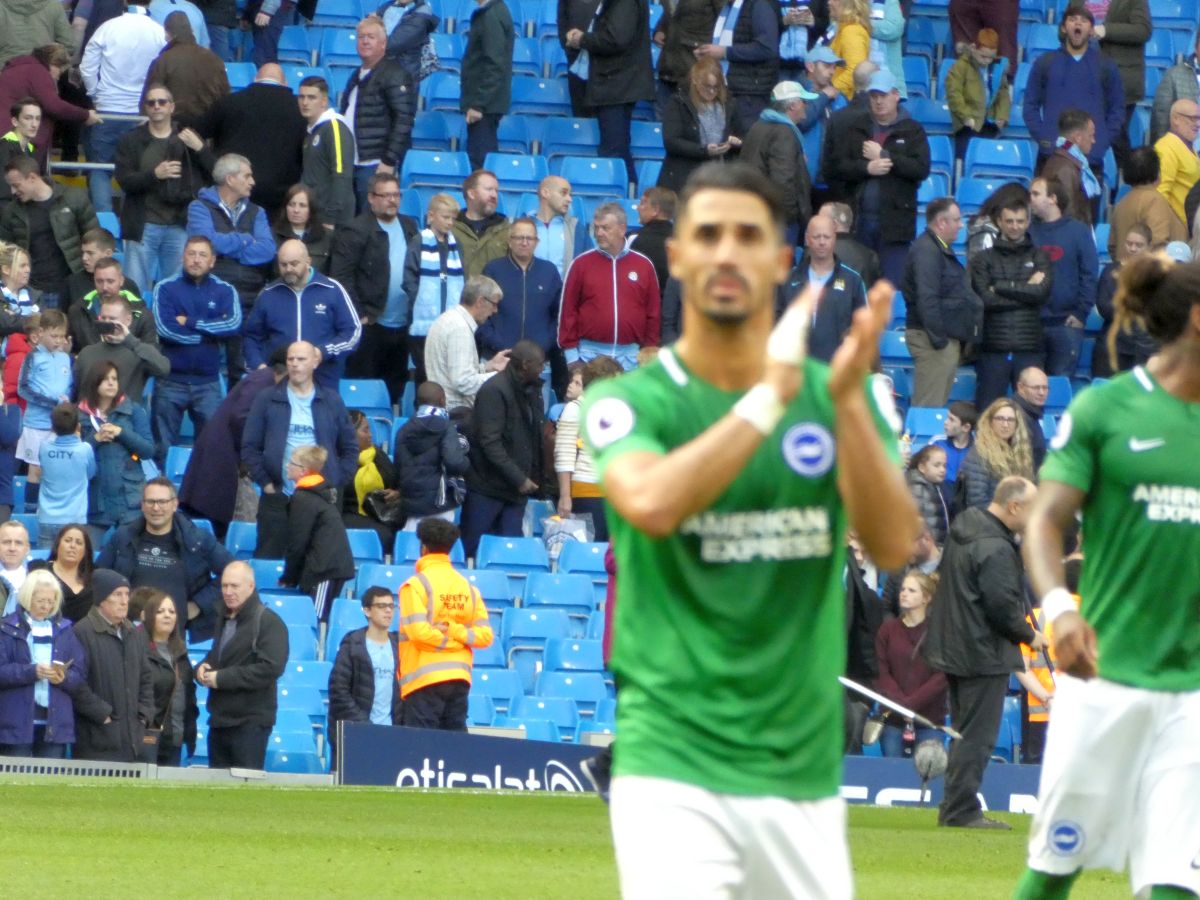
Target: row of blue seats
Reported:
point(590, 176)
point(894, 354)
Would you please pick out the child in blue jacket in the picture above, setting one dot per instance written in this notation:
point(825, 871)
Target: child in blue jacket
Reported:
point(46, 380)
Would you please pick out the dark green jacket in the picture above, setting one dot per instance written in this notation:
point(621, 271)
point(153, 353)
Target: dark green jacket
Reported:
point(1126, 30)
point(487, 61)
point(71, 216)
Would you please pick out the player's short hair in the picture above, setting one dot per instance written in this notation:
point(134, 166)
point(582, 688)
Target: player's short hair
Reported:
point(437, 535)
point(1071, 120)
point(1160, 292)
point(64, 419)
point(311, 456)
point(1010, 489)
point(740, 177)
point(965, 412)
point(373, 593)
point(101, 239)
point(1142, 166)
point(316, 81)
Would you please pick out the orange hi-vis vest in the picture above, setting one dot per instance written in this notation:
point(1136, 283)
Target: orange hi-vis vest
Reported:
point(1036, 663)
point(438, 594)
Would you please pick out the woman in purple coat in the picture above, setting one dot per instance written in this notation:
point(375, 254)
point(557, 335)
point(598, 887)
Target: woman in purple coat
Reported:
point(42, 665)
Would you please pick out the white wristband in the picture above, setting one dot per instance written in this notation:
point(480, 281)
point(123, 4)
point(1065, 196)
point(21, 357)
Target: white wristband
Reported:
point(761, 407)
point(788, 342)
point(1056, 602)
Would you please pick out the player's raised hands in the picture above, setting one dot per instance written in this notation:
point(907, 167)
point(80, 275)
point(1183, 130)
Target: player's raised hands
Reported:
point(1074, 643)
point(787, 347)
point(852, 360)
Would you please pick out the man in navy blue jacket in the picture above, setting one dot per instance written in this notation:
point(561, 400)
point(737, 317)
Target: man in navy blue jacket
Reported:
point(195, 314)
point(294, 413)
point(532, 288)
point(1072, 251)
point(1075, 75)
point(303, 305)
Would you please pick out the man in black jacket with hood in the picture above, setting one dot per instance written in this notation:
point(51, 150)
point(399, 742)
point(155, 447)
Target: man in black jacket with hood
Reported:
point(1013, 277)
point(976, 626)
point(248, 656)
point(506, 452)
point(356, 681)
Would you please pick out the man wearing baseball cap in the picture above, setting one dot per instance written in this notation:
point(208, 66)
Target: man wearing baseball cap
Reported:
point(882, 160)
point(820, 66)
point(775, 146)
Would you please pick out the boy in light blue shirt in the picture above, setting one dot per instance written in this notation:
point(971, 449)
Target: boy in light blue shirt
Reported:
point(46, 380)
point(67, 465)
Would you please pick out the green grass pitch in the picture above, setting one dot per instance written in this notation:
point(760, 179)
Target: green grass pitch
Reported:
point(99, 839)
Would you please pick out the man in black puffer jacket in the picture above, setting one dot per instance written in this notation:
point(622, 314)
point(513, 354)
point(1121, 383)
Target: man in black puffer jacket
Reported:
point(428, 449)
point(1013, 277)
point(356, 680)
point(385, 104)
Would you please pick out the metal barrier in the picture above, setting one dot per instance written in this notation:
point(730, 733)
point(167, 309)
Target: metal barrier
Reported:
point(86, 768)
point(94, 166)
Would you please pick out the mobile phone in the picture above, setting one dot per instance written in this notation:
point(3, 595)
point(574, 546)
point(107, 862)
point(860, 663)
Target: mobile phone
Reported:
point(107, 327)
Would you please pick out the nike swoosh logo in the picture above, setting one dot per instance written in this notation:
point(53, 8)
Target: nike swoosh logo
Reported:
point(1137, 446)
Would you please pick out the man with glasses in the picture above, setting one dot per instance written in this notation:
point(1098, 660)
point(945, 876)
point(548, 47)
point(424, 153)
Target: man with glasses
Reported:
point(160, 168)
point(164, 549)
point(1033, 388)
point(531, 289)
point(1178, 164)
point(363, 686)
point(368, 261)
point(451, 357)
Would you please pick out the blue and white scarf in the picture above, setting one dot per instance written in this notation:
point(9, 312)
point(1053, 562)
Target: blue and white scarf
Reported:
point(21, 302)
point(41, 652)
point(723, 29)
point(582, 66)
point(437, 291)
point(793, 42)
point(774, 115)
point(1091, 186)
point(877, 53)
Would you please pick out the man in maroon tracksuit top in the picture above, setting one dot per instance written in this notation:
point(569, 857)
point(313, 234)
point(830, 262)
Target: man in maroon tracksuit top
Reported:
point(610, 302)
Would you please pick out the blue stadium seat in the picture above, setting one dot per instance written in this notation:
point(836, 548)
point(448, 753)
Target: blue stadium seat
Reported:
point(1039, 38)
point(449, 49)
point(1008, 740)
point(513, 135)
point(441, 91)
point(490, 657)
point(339, 47)
point(559, 710)
point(646, 141)
point(1049, 426)
point(1083, 367)
point(1020, 79)
point(570, 137)
point(302, 643)
point(540, 96)
point(595, 629)
point(309, 673)
point(267, 573)
point(573, 656)
point(546, 24)
point(338, 13)
point(388, 576)
point(578, 556)
point(431, 168)
point(516, 556)
point(295, 74)
point(347, 613)
point(517, 172)
point(282, 741)
point(606, 712)
point(295, 46)
point(916, 76)
point(535, 729)
point(525, 632)
point(926, 37)
point(901, 382)
point(899, 311)
point(296, 610)
point(370, 395)
point(1008, 159)
point(571, 593)
point(941, 158)
point(587, 689)
point(480, 709)
point(1160, 48)
point(934, 115)
point(554, 59)
point(240, 75)
point(893, 350)
point(527, 57)
point(339, 78)
point(365, 545)
point(241, 538)
point(925, 422)
point(1032, 11)
point(586, 726)
point(647, 171)
point(205, 524)
point(972, 192)
point(1060, 395)
point(177, 460)
point(430, 132)
point(493, 586)
point(593, 177)
point(503, 686)
point(935, 186)
point(304, 697)
point(295, 721)
point(309, 763)
point(964, 386)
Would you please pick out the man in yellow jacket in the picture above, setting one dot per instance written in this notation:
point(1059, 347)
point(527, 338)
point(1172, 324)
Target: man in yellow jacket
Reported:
point(442, 619)
point(1180, 167)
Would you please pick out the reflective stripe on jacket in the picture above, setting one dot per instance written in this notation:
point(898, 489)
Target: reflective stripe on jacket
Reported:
point(438, 595)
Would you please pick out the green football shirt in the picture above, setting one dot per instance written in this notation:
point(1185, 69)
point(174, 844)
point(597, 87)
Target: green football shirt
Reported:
point(729, 635)
point(1131, 447)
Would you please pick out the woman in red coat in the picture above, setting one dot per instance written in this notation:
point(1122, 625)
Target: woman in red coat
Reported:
point(36, 76)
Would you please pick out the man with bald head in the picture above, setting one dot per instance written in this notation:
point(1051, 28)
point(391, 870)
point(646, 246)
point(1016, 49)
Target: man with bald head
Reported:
point(303, 305)
point(295, 413)
point(1179, 167)
point(249, 653)
point(843, 289)
point(555, 224)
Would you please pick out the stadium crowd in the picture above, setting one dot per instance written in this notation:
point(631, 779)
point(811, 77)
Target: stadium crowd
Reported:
point(255, 264)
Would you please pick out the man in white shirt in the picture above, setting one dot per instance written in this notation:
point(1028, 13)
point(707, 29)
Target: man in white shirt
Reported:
point(451, 358)
point(14, 547)
point(114, 67)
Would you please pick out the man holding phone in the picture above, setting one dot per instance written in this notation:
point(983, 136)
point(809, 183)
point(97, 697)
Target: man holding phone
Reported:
point(109, 282)
point(135, 359)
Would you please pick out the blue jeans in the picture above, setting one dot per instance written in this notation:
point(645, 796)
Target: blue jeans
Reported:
point(891, 741)
point(171, 400)
point(614, 124)
point(1062, 349)
point(156, 257)
point(218, 42)
point(39, 749)
point(100, 145)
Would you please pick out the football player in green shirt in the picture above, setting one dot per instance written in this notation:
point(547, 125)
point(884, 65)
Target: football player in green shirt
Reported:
point(1121, 772)
point(732, 466)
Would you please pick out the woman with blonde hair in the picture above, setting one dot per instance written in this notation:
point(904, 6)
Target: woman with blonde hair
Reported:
point(433, 275)
point(695, 124)
point(41, 667)
point(19, 297)
point(1002, 448)
point(904, 676)
point(849, 36)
